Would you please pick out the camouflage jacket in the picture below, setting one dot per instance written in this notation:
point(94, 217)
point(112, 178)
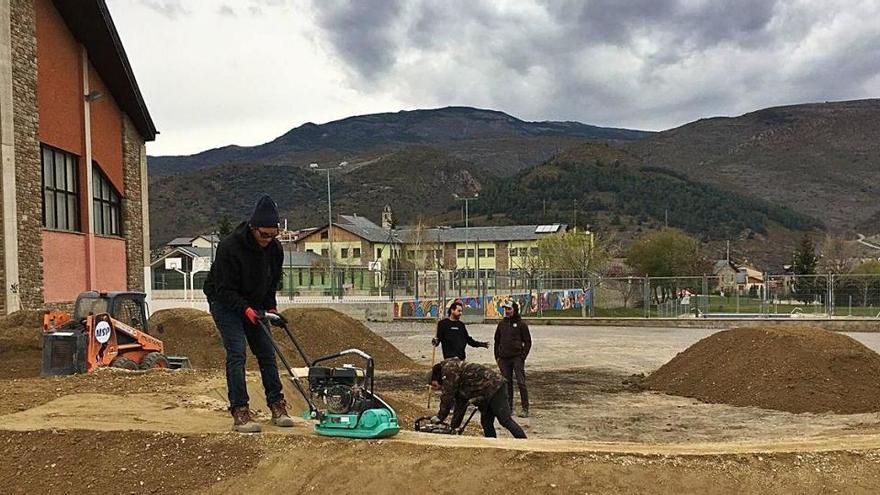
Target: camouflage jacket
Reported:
point(462, 382)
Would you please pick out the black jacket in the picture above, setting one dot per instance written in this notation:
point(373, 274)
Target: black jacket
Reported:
point(454, 337)
point(512, 338)
point(244, 274)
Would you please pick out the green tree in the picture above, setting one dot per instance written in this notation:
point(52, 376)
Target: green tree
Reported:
point(806, 285)
point(668, 253)
point(224, 226)
point(575, 254)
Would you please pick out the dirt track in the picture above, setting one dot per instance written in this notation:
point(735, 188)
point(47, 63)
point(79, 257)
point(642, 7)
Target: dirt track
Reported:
point(109, 431)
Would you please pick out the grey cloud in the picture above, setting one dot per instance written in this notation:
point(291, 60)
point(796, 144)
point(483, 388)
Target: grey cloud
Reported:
point(362, 32)
point(226, 11)
point(643, 62)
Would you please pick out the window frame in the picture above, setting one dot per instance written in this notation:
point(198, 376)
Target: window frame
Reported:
point(67, 192)
point(101, 205)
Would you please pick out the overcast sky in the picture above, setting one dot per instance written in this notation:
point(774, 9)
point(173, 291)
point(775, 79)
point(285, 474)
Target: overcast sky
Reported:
point(217, 72)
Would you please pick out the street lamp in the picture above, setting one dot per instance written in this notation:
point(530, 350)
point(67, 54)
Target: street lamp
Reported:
point(467, 228)
point(314, 166)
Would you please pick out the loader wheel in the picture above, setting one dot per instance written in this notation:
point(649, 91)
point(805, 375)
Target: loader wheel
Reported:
point(124, 363)
point(154, 360)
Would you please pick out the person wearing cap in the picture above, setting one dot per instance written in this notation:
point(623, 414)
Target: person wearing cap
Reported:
point(452, 334)
point(462, 382)
point(512, 345)
point(240, 287)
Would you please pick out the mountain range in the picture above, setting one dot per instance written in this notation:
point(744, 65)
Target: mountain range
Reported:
point(760, 179)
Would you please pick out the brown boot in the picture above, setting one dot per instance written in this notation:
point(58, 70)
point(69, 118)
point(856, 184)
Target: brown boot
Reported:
point(279, 414)
point(243, 423)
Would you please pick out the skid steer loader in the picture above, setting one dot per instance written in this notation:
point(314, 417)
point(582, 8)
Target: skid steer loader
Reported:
point(106, 329)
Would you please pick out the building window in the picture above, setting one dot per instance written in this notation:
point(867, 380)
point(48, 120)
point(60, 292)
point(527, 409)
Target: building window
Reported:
point(411, 254)
point(482, 252)
point(523, 251)
point(325, 252)
point(512, 252)
point(105, 201)
point(490, 252)
point(60, 190)
point(310, 251)
point(461, 253)
point(356, 253)
point(378, 253)
point(325, 235)
point(344, 253)
point(534, 251)
point(470, 254)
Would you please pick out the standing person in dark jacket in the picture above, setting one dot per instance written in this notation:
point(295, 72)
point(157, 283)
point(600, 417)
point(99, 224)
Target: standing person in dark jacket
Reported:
point(240, 286)
point(452, 334)
point(462, 382)
point(512, 345)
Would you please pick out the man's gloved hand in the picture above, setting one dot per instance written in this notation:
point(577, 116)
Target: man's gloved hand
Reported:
point(282, 321)
point(435, 419)
point(435, 342)
point(251, 315)
point(484, 345)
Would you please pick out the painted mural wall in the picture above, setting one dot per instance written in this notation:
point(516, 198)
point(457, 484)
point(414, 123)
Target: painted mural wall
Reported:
point(530, 304)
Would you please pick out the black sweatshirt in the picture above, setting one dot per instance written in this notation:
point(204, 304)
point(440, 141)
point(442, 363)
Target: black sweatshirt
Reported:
point(453, 336)
point(244, 274)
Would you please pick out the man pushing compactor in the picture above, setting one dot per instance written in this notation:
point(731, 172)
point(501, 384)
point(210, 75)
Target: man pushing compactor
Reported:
point(241, 286)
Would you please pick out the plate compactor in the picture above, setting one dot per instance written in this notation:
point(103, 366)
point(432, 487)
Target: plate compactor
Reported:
point(106, 329)
point(352, 409)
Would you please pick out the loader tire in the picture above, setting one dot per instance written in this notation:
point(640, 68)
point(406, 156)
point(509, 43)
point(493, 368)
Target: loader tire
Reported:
point(124, 363)
point(154, 360)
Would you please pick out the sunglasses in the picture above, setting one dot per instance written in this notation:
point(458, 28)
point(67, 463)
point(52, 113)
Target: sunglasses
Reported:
point(266, 235)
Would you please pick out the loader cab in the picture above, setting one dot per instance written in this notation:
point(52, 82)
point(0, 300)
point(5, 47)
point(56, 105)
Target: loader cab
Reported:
point(126, 307)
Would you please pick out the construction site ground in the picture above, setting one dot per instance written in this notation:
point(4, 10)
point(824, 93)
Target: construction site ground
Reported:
point(168, 431)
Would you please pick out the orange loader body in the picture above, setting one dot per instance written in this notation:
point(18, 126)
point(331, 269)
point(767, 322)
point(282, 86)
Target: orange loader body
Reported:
point(106, 329)
point(123, 341)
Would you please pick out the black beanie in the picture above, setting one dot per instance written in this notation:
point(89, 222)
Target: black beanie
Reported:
point(265, 213)
point(436, 374)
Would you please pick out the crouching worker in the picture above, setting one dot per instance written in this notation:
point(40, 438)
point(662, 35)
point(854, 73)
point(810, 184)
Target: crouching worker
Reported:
point(461, 382)
point(240, 286)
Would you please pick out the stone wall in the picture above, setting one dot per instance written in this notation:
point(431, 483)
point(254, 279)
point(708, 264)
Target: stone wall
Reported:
point(132, 211)
point(27, 153)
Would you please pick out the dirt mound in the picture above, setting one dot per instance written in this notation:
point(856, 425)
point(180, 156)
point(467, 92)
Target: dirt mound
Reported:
point(21, 344)
point(27, 318)
point(192, 333)
point(75, 461)
point(795, 369)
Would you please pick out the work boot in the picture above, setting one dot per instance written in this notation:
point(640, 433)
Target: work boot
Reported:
point(279, 414)
point(524, 413)
point(243, 423)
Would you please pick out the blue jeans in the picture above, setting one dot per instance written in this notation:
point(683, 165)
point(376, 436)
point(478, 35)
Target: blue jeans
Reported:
point(235, 330)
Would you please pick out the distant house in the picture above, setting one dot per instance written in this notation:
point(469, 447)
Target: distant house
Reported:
point(191, 265)
point(742, 278)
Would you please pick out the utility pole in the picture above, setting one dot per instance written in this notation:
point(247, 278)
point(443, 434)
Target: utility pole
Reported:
point(575, 211)
point(466, 228)
point(314, 166)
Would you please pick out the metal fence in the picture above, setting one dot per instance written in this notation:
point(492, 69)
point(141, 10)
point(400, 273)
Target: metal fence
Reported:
point(561, 294)
point(422, 293)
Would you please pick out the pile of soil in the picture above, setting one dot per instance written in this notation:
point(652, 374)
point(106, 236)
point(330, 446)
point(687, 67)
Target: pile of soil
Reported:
point(59, 461)
point(21, 344)
point(795, 369)
point(192, 333)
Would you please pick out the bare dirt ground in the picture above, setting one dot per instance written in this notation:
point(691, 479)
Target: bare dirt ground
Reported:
point(168, 432)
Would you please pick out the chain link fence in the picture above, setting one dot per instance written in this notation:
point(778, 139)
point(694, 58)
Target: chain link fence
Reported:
point(424, 293)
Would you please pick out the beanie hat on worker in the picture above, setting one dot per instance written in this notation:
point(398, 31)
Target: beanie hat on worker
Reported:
point(265, 213)
point(436, 374)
